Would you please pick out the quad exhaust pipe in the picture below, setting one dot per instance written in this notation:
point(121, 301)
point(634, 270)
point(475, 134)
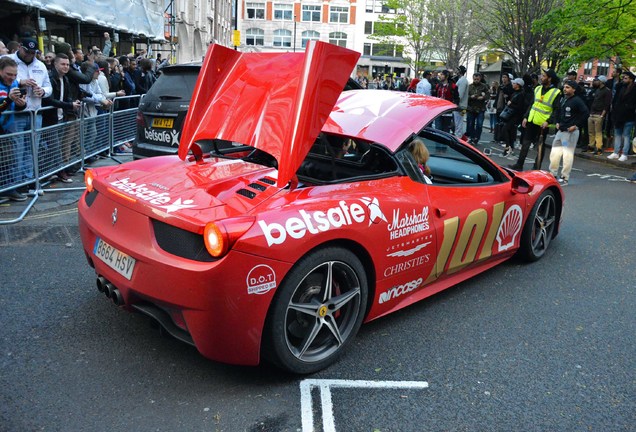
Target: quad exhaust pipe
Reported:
point(110, 291)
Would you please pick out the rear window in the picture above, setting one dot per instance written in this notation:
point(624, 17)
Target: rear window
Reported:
point(175, 84)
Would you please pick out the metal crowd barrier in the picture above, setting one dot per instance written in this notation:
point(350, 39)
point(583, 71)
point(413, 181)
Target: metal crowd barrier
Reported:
point(31, 153)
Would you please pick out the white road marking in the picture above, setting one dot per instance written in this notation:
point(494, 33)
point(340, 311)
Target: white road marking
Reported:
point(608, 177)
point(325, 386)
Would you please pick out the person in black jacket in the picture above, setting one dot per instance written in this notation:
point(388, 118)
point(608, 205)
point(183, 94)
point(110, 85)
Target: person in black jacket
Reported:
point(517, 104)
point(61, 98)
point(624, 116)
point(571, 113)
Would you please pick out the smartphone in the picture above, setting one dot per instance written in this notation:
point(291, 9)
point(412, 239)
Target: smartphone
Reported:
point(23, 91)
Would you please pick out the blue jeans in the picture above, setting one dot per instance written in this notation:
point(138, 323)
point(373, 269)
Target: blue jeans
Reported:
point(622, 137)
point(492, 117)
point(23, 148)
point(475, 122)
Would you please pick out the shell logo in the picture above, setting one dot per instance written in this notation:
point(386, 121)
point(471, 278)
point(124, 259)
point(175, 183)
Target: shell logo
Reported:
point(509, 228)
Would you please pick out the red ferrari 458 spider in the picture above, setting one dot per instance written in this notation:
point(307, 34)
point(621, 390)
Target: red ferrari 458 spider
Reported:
point(311, 214)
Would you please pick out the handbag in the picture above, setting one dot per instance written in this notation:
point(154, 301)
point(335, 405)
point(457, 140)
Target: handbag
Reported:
point(507, 113)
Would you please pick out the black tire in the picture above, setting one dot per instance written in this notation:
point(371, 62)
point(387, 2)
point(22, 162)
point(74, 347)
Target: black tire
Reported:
point(539, 229)
point(317, 311)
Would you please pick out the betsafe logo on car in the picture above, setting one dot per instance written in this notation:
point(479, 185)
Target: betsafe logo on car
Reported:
point(320, 221)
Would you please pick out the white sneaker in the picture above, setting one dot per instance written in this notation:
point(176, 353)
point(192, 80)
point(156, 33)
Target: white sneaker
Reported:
point(613, 156)
point(623, 158)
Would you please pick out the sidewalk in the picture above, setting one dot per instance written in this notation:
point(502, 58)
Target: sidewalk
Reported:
point(55, 196)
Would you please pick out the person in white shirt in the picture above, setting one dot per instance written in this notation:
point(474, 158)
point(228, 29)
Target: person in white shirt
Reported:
point(34, 77)
point(94, 99)
point(458, 115)
point(424, 86)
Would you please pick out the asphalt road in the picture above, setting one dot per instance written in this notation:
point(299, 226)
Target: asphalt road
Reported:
point(549, 346)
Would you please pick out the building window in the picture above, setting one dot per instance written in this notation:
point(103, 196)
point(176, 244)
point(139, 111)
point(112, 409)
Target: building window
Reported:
point(254, 36)
point(338, 38)
point(338, 14)
point(255, 11)
point(309, 35)
point(282, 38)
point(603, 68)
point(383, 49)
point(379, 6)
point(368, 27)
point(283, 11)
point(311, 13)
point(587, 70)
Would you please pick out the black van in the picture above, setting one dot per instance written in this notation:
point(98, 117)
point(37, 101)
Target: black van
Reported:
point(163, 109)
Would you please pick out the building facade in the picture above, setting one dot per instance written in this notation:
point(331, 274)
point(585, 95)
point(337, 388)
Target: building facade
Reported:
point(287, 25)
point(197, 24)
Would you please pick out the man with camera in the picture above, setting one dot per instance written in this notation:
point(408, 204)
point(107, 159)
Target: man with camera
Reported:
point(34, 77)
point(12, 98)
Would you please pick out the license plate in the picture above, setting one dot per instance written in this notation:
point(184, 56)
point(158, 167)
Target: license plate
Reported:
point(162, 122)
point(114, 258)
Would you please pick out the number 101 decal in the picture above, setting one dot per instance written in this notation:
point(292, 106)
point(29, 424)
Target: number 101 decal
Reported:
point(503, 228)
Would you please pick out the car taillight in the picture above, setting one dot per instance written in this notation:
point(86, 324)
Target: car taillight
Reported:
point(215, 239)
point(220, 236)
point(89, 177)
point(140, 119)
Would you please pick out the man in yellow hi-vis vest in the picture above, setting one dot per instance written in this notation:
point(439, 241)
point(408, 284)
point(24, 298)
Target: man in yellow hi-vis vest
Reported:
point(538, 116)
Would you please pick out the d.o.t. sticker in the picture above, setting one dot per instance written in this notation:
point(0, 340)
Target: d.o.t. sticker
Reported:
point(261, 279)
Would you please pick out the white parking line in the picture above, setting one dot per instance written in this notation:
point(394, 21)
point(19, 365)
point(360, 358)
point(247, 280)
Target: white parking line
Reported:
point(325, 386)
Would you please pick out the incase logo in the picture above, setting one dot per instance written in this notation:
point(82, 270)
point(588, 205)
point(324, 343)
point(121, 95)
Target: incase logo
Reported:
point(171, 137)
point(320, 221)
point(400, 290)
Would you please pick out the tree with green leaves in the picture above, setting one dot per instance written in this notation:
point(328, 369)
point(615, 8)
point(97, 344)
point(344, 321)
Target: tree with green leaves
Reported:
point(453, 30)
point(407, 26)
point(432, 30)
point(509, 26)
point(588, 30)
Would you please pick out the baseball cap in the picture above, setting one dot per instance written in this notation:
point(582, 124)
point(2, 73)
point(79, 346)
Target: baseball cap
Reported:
point(29, 44)
point(601, 78)
point(518, 81)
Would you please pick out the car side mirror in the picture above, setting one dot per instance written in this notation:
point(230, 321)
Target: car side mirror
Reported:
point(521, 186)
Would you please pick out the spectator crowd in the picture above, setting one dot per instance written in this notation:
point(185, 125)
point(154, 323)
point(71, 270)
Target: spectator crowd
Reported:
point(74, 83)
point(85, 83)
point(593, 118)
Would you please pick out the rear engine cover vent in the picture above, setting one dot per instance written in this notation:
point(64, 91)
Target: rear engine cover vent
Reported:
point(246, 193)
point(257, 186)
point(267, 181)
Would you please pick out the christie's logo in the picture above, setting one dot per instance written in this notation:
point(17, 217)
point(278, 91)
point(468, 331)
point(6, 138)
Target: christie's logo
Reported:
point(319, 221)
point(400, 290)
point(407, 265)
point(141, 191)
point(171, 137)
point(404, 225)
